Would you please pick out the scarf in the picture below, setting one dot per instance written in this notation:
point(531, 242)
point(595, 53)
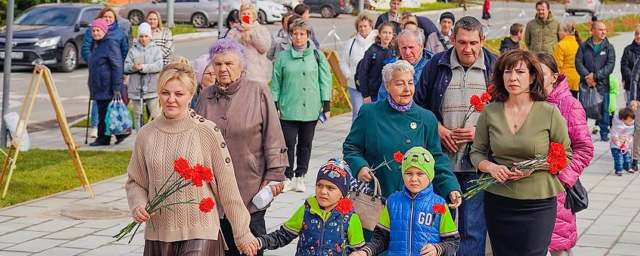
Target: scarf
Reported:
point(397, 106)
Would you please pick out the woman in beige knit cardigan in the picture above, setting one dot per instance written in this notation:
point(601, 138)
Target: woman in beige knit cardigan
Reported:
point(179, 132)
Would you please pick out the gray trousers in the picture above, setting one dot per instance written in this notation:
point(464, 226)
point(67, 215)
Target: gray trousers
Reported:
point(152, 107)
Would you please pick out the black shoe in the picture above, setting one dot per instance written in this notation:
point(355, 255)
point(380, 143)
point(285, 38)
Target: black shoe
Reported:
point(98, 143)
point(121, 138)
point(634, 165)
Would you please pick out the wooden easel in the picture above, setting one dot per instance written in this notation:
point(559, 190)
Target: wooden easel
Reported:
point(42, 72)
point(334, 62)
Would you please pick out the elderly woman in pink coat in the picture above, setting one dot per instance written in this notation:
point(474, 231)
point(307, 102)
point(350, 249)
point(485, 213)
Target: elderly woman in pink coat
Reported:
point(558, 94)
point(256, 39)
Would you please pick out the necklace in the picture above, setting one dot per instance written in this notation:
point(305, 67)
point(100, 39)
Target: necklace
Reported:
point(521, 117)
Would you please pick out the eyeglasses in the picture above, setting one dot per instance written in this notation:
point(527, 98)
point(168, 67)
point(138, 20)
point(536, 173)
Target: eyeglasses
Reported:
point(210, 74)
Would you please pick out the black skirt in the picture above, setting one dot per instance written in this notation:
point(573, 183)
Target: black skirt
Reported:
point(519, 227)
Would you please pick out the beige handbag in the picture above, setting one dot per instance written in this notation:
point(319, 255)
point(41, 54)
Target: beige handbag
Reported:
point(368, 207)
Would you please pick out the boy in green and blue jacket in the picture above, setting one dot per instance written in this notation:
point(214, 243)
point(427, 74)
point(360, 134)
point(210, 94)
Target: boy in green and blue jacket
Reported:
point(415, 221)
point(326, 223)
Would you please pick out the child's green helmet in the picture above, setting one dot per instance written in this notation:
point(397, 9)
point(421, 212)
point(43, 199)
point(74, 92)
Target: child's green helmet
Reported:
point(420, 158)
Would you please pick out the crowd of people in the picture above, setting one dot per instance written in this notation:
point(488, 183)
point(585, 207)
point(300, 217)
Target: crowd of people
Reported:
point(249, 107)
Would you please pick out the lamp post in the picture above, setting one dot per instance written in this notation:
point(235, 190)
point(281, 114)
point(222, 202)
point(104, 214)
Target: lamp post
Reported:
point(7, 70)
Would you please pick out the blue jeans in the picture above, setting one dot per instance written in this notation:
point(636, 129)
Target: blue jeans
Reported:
point(471, 225)
point(95, 119)
point(604, 121)
point(621, 161)
point(356, 102)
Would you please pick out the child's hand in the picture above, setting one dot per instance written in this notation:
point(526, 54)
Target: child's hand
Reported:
point(429, 250)
point(250, 248)
point(358, 253)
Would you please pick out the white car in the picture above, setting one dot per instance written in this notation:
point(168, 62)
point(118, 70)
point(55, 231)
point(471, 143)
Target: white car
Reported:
point(590, 6)
point(270, 12)
point(289, 4)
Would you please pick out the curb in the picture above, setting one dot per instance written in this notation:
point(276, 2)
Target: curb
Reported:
point(198, 35)
point(474, 7)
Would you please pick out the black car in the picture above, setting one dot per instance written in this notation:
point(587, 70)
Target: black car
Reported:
point(51, 34)
point(329, 8)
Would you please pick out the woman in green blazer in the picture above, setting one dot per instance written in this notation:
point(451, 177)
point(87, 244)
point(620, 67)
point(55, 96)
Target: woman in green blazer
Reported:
point(301, 87)
point(520, 211)
point(397, 124)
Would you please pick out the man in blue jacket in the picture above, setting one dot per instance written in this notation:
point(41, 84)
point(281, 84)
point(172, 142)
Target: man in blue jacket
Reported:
point(411, 45)
point(445, 87)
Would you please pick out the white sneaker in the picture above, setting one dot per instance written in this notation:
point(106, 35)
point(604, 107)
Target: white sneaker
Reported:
point(94, 132)
point(300, 187)
point(288, 185)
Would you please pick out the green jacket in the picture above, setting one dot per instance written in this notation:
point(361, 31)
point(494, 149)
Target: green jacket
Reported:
point(300, 84)
point(614, 89)
point(542, 37)
point(379, 131)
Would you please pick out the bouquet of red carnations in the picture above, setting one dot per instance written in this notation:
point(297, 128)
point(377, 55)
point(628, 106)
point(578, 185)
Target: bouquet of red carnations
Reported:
point(554, 161)
point(186, 176)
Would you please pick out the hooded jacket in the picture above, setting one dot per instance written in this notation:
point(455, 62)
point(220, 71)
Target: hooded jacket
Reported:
point(601, 64)
point(565, 232)
point(565, 55)
point(150, 57)
point(352, 53)
point(117, 33)
point(256, 46)
point(542, 36)
point(370, 70)
point(105, 68)
point(629, 56)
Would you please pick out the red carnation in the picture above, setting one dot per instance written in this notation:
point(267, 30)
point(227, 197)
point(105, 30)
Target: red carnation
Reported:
point(182, 167)
point(475, 100)
point(207, 204)
point(479, 107)
point(344, 206)
point(397, 156)
point(485, 98)
point(196, 179)
point(439, 209)
point(204, 172)
point(490, 88)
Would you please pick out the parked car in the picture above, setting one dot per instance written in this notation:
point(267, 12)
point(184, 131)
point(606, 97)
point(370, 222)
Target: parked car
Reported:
point(270, 12)
point(289, 4)
point(590, 6)
point(329, 8)
point(200, 13)
point(51, 34)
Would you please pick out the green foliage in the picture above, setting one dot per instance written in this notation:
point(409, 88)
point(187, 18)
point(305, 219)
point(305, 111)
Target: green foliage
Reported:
point(428, 7)
point(176, 30)
point(42, 172)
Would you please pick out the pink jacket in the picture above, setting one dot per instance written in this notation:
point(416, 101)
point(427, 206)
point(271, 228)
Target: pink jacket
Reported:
point(565, 233)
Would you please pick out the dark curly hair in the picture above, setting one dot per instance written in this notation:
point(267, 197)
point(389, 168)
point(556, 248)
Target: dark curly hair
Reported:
point(510, 60)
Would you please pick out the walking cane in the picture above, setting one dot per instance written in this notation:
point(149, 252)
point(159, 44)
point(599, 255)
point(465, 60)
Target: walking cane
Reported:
point(86, 134)
point(141, 103)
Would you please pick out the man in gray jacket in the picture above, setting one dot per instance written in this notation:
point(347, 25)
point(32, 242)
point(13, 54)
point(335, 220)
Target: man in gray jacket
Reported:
point(595, 61)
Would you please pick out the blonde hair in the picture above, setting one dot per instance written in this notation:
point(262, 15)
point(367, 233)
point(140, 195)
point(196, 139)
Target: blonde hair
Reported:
point(180, 59)
point(252, 8)
point(158, 16)
point(363, 17)
point(179, 71)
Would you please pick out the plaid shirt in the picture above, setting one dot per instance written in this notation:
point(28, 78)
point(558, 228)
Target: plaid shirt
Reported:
point(164, 39)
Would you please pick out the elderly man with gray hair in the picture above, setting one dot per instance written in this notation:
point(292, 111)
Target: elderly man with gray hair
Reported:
point(411, 45)
point(447, 83)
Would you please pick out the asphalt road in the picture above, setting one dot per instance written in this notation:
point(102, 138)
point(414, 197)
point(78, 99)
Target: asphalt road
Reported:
point(74, 93)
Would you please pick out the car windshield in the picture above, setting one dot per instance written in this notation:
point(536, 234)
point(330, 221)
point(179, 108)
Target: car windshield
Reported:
point(48, 16)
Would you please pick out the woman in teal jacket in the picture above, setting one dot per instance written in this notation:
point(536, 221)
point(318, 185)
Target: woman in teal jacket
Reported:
point(301, 87)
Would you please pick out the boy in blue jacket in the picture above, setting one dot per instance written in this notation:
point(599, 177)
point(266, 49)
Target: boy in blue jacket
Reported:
point(326, 223)
point(415, 221)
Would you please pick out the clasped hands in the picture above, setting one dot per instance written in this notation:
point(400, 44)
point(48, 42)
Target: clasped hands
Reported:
point(591, 81)
point(249, 248)
point(451, 139)
point(428, 250)
point(502, 173)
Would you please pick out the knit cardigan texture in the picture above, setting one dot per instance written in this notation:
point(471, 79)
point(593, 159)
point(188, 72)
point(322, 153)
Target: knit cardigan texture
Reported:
point(199, 141)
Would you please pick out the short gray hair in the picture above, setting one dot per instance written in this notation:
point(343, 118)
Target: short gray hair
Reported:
point(468, 23)
point(418, 34)
point(400, 65)
point(300, 23)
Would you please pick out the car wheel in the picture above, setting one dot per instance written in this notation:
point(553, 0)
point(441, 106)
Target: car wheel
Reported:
point(262, 17)
point(326, 12)
point(199, 20)
point(69, 60)
point(136, 17)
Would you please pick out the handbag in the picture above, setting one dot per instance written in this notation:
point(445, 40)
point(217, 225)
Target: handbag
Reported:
point(577, 197)
point(591, 101)
point(118, 119)
point(371, 205)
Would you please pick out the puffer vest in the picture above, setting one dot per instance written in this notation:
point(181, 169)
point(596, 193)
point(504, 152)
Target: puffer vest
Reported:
point(413, 222)
point(323, 238)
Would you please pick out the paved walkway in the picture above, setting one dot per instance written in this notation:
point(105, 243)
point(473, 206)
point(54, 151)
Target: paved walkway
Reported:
point(610, 226)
